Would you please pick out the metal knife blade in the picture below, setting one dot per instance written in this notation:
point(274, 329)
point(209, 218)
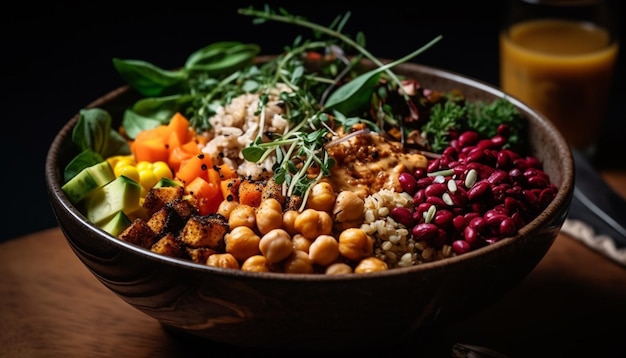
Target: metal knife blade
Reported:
point(596, 203)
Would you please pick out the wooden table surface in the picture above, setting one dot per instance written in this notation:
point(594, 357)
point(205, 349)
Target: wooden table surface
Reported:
point(572, 305)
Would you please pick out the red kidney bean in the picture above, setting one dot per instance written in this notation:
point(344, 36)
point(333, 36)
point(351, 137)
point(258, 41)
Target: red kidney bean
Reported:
point(419, 173)
point(494, 219)
point(408, 183)
point(419, 196)
point(468, 138)
point(507, 227)
point(425, 231)
point(433, 165)
point(459, 223)
point(435, 189)
point(518, 219)
point(476, 155)
point(506, 191)
point(477, 191)
point(402, 215)
point(504, 130)
point(546, 197)
point(533, 162)
point(424, 182)
point(498, 141)
point(443, 218)
point(461, 247)
point(449, 152)
point(537, 182)
point(471, 235)
point(485, 144)
point(497, 177)
point(437, 201)
point(478, 223)
point(503, 161)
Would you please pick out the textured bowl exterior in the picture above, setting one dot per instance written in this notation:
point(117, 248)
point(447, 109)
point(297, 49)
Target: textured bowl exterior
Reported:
point(289, 310)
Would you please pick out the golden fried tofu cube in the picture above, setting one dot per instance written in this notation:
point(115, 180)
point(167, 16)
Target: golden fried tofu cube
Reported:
point(138, 233)
point(204, 231)
point(200, 254)
point(183, 207)
point(160, 196)
point(165, 220)
point(168, 245)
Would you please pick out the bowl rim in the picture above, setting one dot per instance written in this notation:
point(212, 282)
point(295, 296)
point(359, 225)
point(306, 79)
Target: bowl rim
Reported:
point(563, 194)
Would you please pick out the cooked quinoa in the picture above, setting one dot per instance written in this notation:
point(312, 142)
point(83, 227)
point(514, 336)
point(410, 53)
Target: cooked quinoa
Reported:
point(393, 242)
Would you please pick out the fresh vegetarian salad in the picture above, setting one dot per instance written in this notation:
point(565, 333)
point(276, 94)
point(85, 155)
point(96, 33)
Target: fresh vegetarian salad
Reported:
point(319, 160)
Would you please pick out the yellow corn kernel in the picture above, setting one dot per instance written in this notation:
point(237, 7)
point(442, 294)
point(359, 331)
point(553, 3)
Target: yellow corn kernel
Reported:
point(162, 170)
point(127, 171)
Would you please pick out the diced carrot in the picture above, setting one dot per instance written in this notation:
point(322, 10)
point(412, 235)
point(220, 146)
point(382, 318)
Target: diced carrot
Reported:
point(206, 195)
point(230, 188)
point(196, 166)
point(180, 126)
point(250, 193)
point(181, 153)
point(150, 150)
point(226, 172)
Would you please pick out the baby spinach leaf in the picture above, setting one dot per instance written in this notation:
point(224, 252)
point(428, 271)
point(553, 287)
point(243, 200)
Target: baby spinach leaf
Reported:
point(134, 123)
point(93, 131)
point(148, 79)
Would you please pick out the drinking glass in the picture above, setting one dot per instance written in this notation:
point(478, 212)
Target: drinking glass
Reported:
point(558, 56)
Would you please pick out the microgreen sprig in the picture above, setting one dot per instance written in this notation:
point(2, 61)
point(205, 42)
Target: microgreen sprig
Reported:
point(302, 108)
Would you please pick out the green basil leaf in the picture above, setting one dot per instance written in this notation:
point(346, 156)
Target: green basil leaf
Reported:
point(353, 95)
point(211, 53)
point(148, 79)
point(162, 108)
point(253, 154)
point(85, 159)
point(222, 58)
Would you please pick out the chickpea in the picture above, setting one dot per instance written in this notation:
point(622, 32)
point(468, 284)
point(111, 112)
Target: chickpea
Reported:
point(338, 268)
point(226, 207)
point(370, 264)
point(242, 215)
point(312, 223)
point(225, 260)
point(322, 197)
point(355, 244)
point(348, 207)
point(256, 263)
point(300, 242)
point(289, 220)
point(269, 215)
point(242, 242)
point(298, 262)
point(276, 245)
point(324, 250)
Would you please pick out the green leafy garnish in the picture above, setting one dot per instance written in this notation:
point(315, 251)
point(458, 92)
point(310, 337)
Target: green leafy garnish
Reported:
point(95, 140)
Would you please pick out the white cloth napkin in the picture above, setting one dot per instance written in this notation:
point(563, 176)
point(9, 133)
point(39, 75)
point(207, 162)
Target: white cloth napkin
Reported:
point(601, 243)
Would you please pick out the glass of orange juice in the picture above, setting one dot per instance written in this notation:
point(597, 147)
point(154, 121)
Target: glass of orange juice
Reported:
point(558, 56)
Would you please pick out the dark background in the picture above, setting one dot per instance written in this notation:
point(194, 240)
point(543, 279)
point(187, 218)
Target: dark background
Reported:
point(57, 59)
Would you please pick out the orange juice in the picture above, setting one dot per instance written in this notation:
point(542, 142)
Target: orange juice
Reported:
point(563, 69)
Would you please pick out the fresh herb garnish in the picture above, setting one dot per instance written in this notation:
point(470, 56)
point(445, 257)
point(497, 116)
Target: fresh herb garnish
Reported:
point(335, 92)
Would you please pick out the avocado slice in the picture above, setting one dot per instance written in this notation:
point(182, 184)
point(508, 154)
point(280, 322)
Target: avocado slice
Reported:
point(116, 224)
point(87, 180)
point(165, 181)
point(121, 194)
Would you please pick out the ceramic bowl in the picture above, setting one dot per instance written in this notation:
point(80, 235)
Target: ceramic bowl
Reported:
point(265, 310)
